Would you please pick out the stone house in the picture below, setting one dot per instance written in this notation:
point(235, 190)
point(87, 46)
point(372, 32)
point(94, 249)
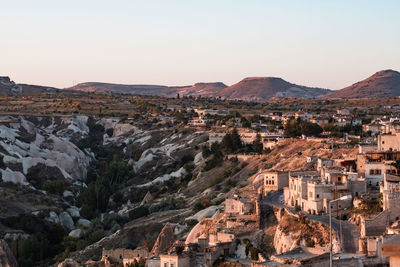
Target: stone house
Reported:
point(269, 141)
point(239, 206)
point(297, 188)
point(312, 193)
point(375, 226)
point(373, 165)
point(174, 260)
point(154, 261)
point(273, 180)
point(321, 162)
point(390, 248)
point(122, 255)
point(389, 142)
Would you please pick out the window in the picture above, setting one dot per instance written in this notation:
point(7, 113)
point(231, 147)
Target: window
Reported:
point(272, 182)
point(371, 172)
point(165, 264)
point(172, 265)
point(317, 195)
point(339, 179)
point(378, 172)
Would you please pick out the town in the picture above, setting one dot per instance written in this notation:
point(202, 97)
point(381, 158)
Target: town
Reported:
point(200, 133)
point(352, 181)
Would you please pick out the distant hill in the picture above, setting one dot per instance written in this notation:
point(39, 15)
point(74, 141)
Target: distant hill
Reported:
point(384, 83)
point(97, 87)
point(258, 89)
point(265, 88)
point(203, 89)
point(8, 87)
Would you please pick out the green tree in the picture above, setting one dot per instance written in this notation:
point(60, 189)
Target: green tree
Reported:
point(257, 144)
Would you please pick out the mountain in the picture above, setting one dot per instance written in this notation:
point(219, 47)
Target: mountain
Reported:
point(384, 83)
point(264, 88)
point(203, 89)
point(248, 89)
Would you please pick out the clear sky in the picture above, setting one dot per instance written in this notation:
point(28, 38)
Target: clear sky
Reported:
point(325, 43)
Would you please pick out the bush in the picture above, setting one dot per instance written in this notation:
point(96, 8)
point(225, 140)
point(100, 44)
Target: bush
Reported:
point(310, 243)
point(213, 162)
point(186, 159)
point(201, 204)
point(139, 212)
point(54, 187)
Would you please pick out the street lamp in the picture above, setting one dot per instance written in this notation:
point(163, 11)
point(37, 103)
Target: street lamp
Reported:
point(347, 197)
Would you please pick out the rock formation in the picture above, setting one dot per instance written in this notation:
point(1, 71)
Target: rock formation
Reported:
point(164, 241)
point(7, 259)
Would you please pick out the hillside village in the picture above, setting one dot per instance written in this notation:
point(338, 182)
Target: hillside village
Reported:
point(360, 187)
point(200, 133)
point(345, 184)
point(211, 184)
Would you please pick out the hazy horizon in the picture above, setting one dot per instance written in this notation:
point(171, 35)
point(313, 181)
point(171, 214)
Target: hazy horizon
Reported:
point(313, 43)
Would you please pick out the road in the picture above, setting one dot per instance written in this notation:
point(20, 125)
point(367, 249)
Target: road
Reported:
point(349, 234)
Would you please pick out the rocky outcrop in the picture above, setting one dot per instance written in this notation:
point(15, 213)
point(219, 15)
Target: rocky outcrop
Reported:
point(34, 150)
point(69, 263)
point(7, 86)
point(164, 241)
point(7, 258)
point(205, 213)
point(296, 231)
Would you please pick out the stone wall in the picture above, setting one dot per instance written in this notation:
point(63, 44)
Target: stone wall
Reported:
point(375, 226)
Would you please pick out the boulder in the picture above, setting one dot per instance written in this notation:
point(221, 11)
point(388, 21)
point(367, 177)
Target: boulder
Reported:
point(75, 233)
point(205, 213)
point(73, 211)
point(66, 220)
point(67, 194)
point(84, 222)
point(53, 217)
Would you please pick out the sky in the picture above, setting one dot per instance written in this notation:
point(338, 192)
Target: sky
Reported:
point(320, 43)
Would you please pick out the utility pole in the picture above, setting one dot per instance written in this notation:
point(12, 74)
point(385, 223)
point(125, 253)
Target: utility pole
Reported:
point(330, 226)
point(330, 234)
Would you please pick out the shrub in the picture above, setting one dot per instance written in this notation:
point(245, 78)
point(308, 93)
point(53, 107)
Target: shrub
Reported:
point(54, 187)
point(139, 212)
point(310, 243)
